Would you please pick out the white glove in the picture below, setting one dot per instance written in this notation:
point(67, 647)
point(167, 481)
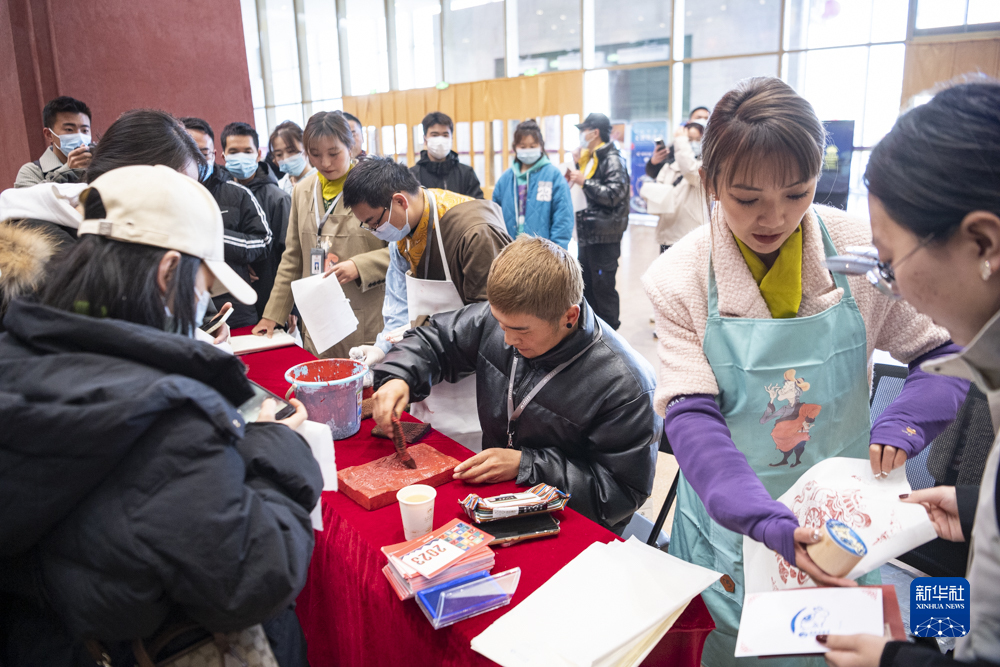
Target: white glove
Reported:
point(369, 354)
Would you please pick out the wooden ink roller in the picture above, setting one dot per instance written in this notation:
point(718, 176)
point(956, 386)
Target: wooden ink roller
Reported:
point(838, 550)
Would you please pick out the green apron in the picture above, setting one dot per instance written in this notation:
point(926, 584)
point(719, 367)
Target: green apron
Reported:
point(794, 392)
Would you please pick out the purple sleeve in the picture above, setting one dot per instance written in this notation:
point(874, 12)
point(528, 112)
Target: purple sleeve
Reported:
point(925, 407)
point(721, 476)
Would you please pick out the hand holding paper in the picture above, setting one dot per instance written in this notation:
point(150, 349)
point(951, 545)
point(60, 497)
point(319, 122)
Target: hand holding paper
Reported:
point(325, 310)
point(843, 489)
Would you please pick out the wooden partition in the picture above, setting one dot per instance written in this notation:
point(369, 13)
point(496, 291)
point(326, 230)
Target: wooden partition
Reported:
point(931, 62)
point(487, 107)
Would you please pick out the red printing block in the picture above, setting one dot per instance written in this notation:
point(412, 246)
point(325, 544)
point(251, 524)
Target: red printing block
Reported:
point(374, 484)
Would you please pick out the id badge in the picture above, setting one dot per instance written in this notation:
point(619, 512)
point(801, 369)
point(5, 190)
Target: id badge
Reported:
point(316, 257)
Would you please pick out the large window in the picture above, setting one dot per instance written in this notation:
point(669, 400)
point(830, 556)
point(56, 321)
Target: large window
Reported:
point(474, 41)
point(418, 43)
point(965, 15)
point(844, 56)
point(548, 35)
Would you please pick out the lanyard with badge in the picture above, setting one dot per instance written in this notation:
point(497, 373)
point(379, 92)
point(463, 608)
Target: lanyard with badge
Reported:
point(514, 414)
point(320, 257)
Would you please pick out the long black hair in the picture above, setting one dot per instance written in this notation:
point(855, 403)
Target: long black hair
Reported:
point(941, 161)
point(102, 277)
point(144, 136)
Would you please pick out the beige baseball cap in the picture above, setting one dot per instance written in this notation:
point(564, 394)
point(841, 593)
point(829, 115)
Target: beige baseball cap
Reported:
point(160, 207)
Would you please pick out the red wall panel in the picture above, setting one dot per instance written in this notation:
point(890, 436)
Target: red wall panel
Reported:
point(186, 57)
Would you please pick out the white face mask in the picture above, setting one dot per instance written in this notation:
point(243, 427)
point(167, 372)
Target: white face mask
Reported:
point(584, 141)
point(529, 156)
point(200, 308)
point(438, 147)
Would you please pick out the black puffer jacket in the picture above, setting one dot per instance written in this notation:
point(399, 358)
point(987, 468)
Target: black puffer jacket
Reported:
point(591, 431)
point(131, 488)
point(447, 175)
point(606, 216)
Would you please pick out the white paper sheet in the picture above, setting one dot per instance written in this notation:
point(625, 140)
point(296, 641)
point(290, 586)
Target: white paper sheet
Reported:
point(320, 441)
point(577, 197)
point(846, 490)
point(250, 343)
point(611, 599)
point(787, 622)
point(324, 309)
point(210, 339)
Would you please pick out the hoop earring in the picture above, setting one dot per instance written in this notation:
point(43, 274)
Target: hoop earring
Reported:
point(985, 271)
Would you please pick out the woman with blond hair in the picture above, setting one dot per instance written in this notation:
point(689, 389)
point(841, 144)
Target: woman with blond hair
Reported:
point(743, 300)
point(325, 236)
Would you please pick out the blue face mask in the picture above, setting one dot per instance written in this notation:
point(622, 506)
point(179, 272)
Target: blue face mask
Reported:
point(70, 142)
point(171, 325)
point(388, 233)
point(294, 166)
point(242, 165)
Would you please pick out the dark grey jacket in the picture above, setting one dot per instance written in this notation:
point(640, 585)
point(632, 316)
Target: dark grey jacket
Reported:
point(591, 431)
point(606, 216)
point(131, 488)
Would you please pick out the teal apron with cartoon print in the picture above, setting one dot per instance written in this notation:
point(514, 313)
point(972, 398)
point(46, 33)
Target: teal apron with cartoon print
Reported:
point(794, 392)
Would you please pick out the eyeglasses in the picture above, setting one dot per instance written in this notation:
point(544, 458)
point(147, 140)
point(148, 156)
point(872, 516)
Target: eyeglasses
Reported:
point(885, 270)
point(864, 261)
point(378, 223)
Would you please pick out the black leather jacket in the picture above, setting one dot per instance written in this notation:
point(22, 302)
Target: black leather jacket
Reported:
point(606, 216)
point(591, 431)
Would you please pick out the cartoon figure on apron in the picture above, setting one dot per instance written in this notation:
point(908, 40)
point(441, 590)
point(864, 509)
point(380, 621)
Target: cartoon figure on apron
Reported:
point(793, 422)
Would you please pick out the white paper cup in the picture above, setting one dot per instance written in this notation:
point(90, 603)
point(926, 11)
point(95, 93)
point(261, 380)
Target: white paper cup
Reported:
point(416, 504)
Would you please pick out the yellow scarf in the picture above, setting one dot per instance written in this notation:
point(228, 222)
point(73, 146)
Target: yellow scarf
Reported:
point(781, 285)
point(590, 169)
point(412, 248)
point(332, 188)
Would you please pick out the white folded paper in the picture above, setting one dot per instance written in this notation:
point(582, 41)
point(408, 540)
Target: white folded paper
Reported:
point(320, 440)
point(577, 197)
point(210, 339)
point(843, 489)
point(250, 343)
point(787, 622)
point(325, 310)
point(608, 606)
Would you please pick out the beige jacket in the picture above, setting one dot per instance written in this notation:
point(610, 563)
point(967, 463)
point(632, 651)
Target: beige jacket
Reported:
point(349, 241)
point(677, 284)
point(681, 207)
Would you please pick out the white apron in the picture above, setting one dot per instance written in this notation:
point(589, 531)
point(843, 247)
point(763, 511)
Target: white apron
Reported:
point(451, 408)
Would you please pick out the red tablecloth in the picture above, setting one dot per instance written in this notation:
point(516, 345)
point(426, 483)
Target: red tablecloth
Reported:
point(349, 612)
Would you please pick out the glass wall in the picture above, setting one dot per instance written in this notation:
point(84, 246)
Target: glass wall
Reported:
point(418, 43)
point(845, 57)
point(631, 31)
point(474, 41)
point(548, 35)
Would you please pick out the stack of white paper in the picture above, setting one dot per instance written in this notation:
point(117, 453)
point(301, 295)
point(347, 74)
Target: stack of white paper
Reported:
point(609, 606)
point(325, 310)
point(846, 490)
point(250, 343)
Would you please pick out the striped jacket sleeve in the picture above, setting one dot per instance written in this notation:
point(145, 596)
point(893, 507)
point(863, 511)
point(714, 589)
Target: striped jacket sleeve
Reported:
point(251, 240)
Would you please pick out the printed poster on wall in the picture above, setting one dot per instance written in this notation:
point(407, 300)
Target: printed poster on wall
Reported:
point(644, 136)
